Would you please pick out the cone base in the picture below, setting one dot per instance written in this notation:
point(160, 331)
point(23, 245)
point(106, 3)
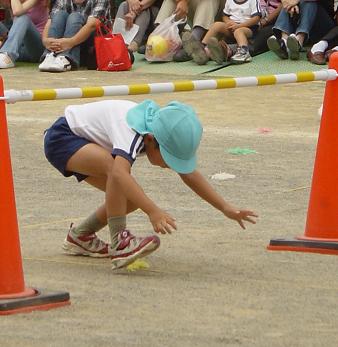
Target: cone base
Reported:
point(42, 300)
point(297, 245)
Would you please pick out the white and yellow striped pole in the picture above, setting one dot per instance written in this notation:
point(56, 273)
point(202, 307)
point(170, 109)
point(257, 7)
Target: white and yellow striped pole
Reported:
point(12, 96)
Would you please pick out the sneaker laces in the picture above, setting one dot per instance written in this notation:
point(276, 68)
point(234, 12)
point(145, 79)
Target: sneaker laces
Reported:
point(124, 239)
point(241, 50)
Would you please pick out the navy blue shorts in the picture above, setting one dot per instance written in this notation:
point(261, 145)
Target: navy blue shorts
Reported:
point(60, 144)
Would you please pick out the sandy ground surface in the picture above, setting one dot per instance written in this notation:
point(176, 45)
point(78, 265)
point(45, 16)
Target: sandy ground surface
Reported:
point(209, 284)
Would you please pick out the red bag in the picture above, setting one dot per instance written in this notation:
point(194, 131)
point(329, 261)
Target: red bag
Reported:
point(111, 51)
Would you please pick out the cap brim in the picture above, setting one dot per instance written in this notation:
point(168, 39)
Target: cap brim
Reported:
point(179, 165)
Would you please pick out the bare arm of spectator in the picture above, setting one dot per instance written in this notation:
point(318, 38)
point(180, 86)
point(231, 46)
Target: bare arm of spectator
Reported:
point(48, 42)
point(246, 24)
point(146, 3)
point(271, 17)
point(63, 44)
point(135, 6)
point(19, 8)
point(227, 21)
point(288, 4)
point(131, 15)
point(181, 9)
point(81, 36)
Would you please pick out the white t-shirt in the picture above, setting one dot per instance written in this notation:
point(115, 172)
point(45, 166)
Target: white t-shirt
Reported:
point(104, 123)
point(241, 11)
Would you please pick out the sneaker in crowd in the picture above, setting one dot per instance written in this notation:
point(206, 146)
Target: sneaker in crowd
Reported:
point(241, 56)
point(47, 62)
point(59, 64)
point(87, 245)
point(5, 61)
point(219, 51)
point(278, 47)
point(181, 56)
point(194, 48)
point(293, 47)
point(129, 248)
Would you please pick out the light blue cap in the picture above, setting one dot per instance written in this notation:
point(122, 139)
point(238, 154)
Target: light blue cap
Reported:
point(175, 127)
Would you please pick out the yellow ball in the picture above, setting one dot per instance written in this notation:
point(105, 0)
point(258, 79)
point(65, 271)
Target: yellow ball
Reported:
point(158, 46)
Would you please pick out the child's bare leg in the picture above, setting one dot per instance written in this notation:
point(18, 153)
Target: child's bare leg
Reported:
point(242, 35)
point(242, 54)
point(216, 29)
point(97, 163)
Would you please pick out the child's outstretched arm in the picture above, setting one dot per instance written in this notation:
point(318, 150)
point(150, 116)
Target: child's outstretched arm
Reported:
point(121, 182)
point(201, 187)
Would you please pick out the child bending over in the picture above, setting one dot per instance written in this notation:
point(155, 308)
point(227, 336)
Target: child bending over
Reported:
point(98, 142)
point(239, 24)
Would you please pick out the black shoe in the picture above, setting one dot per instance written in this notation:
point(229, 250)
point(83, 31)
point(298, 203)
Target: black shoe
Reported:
point(181, 56)
point(278, 47)
point(142, 49)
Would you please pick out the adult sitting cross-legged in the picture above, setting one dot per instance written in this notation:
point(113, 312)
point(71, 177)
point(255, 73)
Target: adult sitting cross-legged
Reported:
point(71, 23)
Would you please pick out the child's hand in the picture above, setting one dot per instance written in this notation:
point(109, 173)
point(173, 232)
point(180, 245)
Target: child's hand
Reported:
point(229, 24)
point(162, 222)
point(241, 215)
point(234, 26)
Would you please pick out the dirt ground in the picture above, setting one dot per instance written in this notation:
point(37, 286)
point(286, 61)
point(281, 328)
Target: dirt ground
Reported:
point(210, 283)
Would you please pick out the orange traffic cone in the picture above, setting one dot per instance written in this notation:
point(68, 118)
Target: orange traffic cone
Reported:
point(321, 232)
point(14, 296)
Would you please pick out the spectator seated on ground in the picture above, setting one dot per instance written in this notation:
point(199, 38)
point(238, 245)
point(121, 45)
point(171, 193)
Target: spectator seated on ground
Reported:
point(292, 29)
point(24, 40)
point(6, 20)
point(221, 51)
point(71, 24)
point(239, 24)
point(300, 22)
point(143, 14)
point(200, 16)
point(321, 51)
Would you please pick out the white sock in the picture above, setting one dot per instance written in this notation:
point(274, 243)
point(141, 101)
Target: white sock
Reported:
point(335, 48)
point(320, 46)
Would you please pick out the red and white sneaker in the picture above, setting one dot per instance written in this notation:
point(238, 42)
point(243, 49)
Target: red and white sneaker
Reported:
point(87, 245)
point(130, 248)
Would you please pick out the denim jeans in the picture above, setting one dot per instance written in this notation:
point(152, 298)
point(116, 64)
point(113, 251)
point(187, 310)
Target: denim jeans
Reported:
point(322, 25)
point(3, 29)
point(24, 41)
point(301, 23)
point(65, 25)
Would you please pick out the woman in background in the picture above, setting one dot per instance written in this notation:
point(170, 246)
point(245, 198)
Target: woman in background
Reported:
point(24, 40)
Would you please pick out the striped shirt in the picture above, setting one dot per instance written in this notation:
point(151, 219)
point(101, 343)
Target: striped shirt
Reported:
point(104, 123)
point(89, 8)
